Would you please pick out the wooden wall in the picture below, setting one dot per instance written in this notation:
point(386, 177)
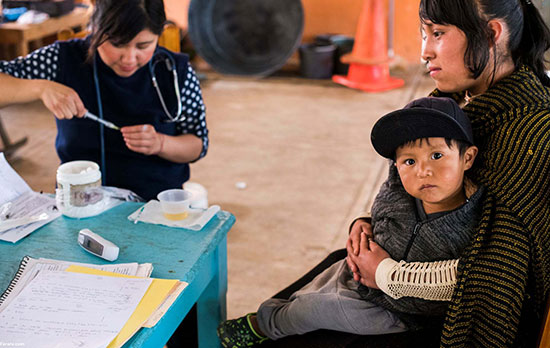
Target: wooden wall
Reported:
point(176, 10)
point(339, 17)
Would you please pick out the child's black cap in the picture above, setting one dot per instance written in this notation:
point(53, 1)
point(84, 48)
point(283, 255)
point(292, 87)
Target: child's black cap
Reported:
point(422, 118)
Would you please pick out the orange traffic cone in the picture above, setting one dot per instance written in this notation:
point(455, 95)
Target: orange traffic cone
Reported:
point(369, 64)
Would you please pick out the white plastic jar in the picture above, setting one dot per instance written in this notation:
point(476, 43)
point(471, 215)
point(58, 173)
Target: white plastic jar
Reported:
point(79, 192)
point(200, 195)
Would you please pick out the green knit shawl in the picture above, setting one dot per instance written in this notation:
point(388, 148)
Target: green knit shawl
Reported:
point(508, 263)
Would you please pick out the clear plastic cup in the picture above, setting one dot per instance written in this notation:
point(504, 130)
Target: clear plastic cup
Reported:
point(175, 203)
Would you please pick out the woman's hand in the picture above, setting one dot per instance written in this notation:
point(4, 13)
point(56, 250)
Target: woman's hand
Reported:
point(367, 261)
point(63, 101)
point(143, 138)
point(359, 226)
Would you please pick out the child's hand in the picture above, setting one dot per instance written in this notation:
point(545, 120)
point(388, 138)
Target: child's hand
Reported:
point(370, 256)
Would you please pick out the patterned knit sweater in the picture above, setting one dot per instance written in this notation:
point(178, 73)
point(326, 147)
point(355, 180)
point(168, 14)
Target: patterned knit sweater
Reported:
point(504, 275)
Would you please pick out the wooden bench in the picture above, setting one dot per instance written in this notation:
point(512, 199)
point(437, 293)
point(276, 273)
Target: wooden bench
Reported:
point(20, 36)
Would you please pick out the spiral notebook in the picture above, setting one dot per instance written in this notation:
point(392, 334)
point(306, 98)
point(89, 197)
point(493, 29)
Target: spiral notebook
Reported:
point(30, 267)
point(71, 310)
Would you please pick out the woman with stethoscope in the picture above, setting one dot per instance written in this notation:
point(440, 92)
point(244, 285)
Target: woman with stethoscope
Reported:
point(121, 75)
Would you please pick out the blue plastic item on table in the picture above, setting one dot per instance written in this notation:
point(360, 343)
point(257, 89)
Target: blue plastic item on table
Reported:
point(11, 14)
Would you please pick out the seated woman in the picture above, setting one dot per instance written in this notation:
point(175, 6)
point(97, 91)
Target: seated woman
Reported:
point(488, 55)
point(120, 74)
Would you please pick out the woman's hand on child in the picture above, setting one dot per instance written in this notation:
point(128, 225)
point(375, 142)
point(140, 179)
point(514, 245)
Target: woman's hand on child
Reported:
point(63, 101)
point(358, 227)
point(352, 245)
point(367, 261)
point(143, 139)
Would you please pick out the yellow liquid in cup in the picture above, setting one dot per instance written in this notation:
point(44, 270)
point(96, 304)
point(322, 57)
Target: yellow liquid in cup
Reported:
point(176, 217)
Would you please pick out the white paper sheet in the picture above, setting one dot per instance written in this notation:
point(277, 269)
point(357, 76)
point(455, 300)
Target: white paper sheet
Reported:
point(24, 203)
point(64, 309)
point(12, 185)
point(151, 213)
point(35, 266)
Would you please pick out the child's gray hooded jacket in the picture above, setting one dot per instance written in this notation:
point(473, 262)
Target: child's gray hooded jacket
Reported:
point(397, 228)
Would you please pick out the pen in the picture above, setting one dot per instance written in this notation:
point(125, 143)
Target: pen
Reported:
point(4, 211)
point(97, 119)
point(139, 214)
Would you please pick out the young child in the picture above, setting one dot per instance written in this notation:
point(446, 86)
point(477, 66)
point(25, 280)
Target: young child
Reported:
point(425, 211)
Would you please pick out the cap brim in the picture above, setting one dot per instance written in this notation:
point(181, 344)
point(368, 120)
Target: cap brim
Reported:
point(404, 125)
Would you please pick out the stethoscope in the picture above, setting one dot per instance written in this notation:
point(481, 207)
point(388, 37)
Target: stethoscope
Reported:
point(171, 66)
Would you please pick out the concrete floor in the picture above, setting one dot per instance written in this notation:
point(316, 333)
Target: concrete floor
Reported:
point(302, 148)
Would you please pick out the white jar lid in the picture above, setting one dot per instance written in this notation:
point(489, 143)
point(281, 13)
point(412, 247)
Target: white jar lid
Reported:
point(78, 173)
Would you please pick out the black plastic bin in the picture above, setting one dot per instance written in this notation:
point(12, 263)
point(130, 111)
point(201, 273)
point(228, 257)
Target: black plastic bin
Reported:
point(317, 61)
point(344, 45)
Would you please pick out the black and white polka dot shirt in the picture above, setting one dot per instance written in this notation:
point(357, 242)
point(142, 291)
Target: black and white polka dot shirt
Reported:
point(44, 64)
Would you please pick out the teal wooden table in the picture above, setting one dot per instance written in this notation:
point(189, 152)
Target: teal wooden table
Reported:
point(197, 257)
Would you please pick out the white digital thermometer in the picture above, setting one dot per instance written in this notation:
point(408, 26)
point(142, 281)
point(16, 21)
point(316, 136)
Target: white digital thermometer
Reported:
point(95, 244)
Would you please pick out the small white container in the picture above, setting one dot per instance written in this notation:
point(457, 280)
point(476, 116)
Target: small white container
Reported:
point(200, 195)
point(78, 192)
point(175, 203)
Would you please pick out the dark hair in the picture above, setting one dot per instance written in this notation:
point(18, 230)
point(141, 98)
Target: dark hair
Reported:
point(529, 36)
point(461, 145)
point(121, 20)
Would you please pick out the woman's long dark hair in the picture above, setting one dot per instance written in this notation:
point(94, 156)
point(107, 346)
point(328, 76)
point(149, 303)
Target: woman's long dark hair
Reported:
point(121, 20)
point(529, 36)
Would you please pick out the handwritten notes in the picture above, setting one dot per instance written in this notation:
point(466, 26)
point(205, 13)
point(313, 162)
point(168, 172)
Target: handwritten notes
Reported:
point(64, 309)
point(31, 267)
